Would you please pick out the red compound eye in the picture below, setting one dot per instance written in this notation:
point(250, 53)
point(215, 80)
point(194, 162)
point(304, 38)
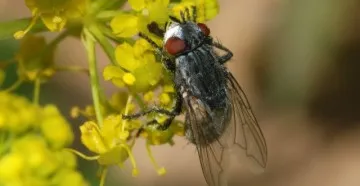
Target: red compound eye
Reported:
point(204, 28)
point(175, 45)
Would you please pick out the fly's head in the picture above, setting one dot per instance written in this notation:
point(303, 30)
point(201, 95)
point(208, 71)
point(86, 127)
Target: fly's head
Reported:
point(183, 37)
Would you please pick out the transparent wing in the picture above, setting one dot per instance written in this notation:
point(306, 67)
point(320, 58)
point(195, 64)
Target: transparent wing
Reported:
point(213, 156)
point(244, 131)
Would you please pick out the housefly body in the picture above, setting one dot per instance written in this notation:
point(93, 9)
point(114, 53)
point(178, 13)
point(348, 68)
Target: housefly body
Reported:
point(218, 116)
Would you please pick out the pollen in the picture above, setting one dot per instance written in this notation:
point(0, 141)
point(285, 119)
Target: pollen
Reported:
point(19, 34)
point(148, 96)
point(135, 172)
point(161, 171)
point(165, 99)
point(57, 19)
point(129, 78)
point(124, 135)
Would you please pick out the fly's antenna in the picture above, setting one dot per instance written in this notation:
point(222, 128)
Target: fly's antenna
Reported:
point(182, 15)
point(194, 14)
point(187, 13)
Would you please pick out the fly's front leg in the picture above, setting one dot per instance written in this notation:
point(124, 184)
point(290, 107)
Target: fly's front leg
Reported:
point(223, 59)
point(168, 63)
point(171, 114)
point(176, 111)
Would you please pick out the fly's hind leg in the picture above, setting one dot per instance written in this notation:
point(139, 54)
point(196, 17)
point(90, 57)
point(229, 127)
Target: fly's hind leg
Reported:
point(172, 114)
point(226, 57)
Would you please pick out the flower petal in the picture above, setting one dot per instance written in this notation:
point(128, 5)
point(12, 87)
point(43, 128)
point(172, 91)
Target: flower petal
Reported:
point(125, 25)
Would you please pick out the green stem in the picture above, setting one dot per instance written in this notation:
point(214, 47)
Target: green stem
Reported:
point(104, 42)
point(101, 5)
point(14, 86)
point(103, 176)
point(94, 78)
point(5, 142)
point(8, 28)
point(36, 91)
point(108, 15)
point(140, 101)
point(59, 38)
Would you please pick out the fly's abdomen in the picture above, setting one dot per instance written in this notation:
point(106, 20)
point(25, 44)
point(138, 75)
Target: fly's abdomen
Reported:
point(201, 120)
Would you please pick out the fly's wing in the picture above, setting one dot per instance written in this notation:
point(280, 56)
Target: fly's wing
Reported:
point(214, 156)
point(244, 132)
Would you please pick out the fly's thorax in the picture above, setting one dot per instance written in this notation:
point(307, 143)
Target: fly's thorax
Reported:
point(200, 75)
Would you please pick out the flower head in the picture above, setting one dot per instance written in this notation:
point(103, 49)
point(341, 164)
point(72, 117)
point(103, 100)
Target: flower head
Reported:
point(55, 14)
point(137, 67)
point(32, 139)
point(35, 58)
point(145, 12)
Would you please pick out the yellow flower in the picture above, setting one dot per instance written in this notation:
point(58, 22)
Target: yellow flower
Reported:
point(148, 96)
point(11, 167)
point(55, 128)
point(108, 141)
point(137, 4)
point(32, 153)
point(129, 24)
point(126, 58)
point(144, 72)
point(39, 158)
point(129, 79)
point(71, 177)
point(54, 13)
point(118, 101)
point(17, 114)
point(165, 99)
point(158, 11)
point(92, 138)
point(205, 9)
point(125, 25)
point(35, 58)
point(158, 137)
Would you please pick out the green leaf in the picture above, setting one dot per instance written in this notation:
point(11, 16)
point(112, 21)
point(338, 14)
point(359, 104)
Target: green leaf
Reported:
point(8, 28)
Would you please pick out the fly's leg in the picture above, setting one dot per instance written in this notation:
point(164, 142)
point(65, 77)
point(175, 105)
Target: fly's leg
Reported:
point(168, 63)
point(172, 114)
point(194, 17)
point(154, 28)
point(187, 13)
point(152, 43)
point(223, 59)
point(164, 125)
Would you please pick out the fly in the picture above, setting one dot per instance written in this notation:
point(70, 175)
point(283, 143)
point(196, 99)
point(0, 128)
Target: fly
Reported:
point(218, 116)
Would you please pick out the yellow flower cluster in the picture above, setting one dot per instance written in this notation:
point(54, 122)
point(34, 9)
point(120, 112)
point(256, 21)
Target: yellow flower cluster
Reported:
point(31, 145)
point(136, 67)
point(55, 14)
point(113, 141)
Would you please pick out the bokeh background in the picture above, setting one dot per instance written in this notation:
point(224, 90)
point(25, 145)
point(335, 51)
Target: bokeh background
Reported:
point(298, 62)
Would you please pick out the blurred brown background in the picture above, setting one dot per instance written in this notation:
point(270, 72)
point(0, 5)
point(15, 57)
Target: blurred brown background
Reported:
point(298, 62)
